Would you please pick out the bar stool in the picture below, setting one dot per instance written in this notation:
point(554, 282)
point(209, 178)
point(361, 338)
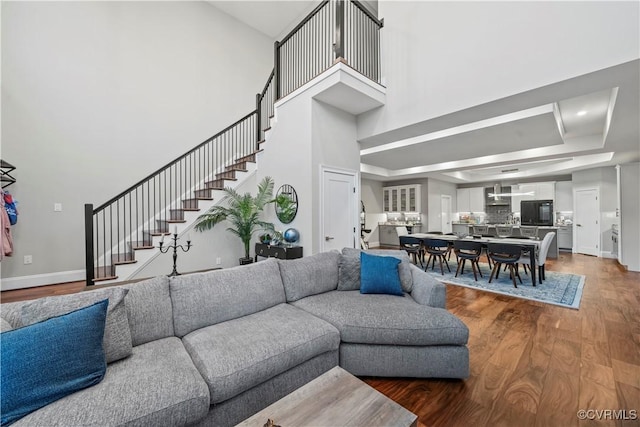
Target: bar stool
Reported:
point(507, 255)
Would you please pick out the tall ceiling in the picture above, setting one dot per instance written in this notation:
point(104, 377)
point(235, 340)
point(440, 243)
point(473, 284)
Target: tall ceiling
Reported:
point(581, 123)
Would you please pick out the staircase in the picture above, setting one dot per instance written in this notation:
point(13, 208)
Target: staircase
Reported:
point(121, 235)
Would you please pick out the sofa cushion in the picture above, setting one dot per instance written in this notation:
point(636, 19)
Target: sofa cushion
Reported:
point(348, 273)
point(158, 385)
point(404, 269)
point(205, 299)
point(310, 275)
point(379, 275)
point(5, 325)
point(237, 355)
point(149, 310)
point(49, 360)
point(117, 335)
point(385, 319)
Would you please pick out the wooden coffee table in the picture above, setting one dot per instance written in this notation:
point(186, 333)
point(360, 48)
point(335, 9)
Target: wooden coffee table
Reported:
point(335, 398)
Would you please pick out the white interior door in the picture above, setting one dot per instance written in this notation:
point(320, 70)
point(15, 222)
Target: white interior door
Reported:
point(586, 221)
point(339, 206)
point(446, 214)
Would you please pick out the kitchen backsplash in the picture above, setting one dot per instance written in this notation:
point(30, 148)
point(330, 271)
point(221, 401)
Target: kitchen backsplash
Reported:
point(497, 214)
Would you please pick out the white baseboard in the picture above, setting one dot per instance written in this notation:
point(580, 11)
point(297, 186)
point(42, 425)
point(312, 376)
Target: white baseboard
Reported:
point(23, 282)
point(608, 254)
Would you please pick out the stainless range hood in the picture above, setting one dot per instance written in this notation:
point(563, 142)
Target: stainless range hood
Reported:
point(497, 195)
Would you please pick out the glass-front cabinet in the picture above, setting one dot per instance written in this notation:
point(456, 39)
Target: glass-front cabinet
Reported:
point(401, 198)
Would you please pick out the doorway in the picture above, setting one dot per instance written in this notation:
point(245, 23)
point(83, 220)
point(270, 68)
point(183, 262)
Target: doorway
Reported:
point(445, 214)
point(587, 221)
point(339, 207)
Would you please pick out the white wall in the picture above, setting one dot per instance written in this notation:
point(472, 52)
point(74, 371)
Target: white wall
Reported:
point(371, 196)
point(630, 215)
point(307, 134)
point(440, 57)
point(97, 95)
point(436, 189)
point(605, 180)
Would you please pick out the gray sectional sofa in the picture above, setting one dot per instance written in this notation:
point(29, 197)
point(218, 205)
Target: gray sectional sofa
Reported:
point(214, 348)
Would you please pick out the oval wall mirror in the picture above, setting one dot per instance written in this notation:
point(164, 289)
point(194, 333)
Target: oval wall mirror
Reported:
point(286, 204)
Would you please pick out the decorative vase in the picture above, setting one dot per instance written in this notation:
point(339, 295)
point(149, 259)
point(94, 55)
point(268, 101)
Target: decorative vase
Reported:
point(291, 235)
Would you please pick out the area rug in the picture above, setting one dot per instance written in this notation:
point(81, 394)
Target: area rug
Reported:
point(560, 289)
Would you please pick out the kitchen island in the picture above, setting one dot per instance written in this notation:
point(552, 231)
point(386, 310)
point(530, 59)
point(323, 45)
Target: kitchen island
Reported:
point(542, 231)
point(388, 235)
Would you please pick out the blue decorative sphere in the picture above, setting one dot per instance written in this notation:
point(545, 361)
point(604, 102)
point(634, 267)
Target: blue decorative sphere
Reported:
point(291, 235)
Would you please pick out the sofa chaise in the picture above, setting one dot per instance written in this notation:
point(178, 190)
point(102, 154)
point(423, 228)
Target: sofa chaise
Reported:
point(214, 348)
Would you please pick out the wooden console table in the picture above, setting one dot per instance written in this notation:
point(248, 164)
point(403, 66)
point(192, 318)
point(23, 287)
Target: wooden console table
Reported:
point(278, 251)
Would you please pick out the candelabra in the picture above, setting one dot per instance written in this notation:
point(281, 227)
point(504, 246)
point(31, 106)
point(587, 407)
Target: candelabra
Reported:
point(175, 247)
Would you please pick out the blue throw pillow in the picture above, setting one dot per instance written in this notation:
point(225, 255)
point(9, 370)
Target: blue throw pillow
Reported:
point(379, 275)
point(49, 360)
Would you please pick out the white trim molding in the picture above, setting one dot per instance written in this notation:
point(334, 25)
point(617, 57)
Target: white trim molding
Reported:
point(23, 282)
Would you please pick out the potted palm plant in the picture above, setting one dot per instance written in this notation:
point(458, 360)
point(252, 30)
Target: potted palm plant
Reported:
point(242, 211)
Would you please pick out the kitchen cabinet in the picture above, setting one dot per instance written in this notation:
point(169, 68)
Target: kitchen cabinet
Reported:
point(532, 191)
point(388, 235)
point(470, 199)
point(401, 198)
point(565, 237)
point(564, 197)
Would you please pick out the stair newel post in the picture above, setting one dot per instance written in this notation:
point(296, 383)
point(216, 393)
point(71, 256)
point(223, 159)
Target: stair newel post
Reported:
point(88, 242)
point(276, 70)
point(338, 46)
point(258, 119)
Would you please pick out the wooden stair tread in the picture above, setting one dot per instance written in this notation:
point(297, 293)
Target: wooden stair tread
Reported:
point(191, 209)
point(159, 233)
point(137, 248)
point(204, 198)
point(175, 221)
point(101, 279)
point(131, 261)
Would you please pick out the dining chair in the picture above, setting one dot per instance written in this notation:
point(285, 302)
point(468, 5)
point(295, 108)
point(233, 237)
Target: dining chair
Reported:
point(468, 250)
point(436, 248)
point(413, 246)
point(541, 258)
point(508, 255)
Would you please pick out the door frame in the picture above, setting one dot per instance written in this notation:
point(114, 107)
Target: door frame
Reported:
point(355, 221)
point(599, 219)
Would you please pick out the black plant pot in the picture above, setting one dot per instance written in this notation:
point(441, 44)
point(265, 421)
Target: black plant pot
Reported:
point(245, 261)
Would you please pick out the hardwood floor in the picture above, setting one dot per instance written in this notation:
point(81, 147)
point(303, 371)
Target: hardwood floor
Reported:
point(535, 364)
point(532, 364)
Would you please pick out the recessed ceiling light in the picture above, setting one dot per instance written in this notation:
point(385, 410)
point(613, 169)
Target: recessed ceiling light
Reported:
point(581, 113)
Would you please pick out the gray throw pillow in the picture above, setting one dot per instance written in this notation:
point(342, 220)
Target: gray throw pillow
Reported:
point(117, 335)
point(349, 273)
point(404, 269)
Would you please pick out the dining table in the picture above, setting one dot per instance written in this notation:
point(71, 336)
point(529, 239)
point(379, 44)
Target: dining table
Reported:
point(531, 245)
